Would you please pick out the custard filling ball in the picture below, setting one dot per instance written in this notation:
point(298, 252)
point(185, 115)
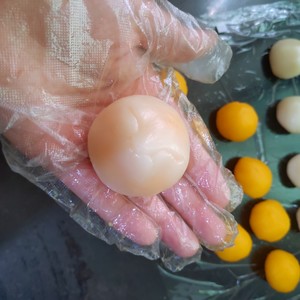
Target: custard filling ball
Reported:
point(298, 217)
point(288, 114)
point(293, 170)
point(139, 146)
point(285, 58)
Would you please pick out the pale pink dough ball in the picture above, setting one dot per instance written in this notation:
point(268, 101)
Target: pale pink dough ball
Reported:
point(139, 146)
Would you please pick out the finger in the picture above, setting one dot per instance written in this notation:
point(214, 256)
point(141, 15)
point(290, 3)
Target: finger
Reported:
point(206, 170)
point(214, 229)
point(113, 208)
point(207, 173)
point(170, 34)
point(204, 166)
point(175, 38)
point(174, 231)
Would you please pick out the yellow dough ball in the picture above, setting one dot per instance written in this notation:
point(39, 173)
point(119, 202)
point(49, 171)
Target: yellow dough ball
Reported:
point(181, 81)
point(282, 271)
point(254, 176)
point(237, 121)
point(139, 146)
point(241, 248)
point(269, 221)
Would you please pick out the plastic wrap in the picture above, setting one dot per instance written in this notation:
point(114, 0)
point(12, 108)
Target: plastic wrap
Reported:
point(61, 63)
point(251, 31)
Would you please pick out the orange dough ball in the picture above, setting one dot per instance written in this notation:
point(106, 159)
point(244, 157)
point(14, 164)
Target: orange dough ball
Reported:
point(139, 146)
point(282, 271)
point(241, 248)
point(237, 121)
point(182, 84)
point(269, 221)
point(254, 176)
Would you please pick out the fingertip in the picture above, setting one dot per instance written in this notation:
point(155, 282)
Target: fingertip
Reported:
point(235, 191)
point(170, 34)
point(177, 39)
point(214, 227)
point(210, 65)
point(220, 230)
point(175, 234)
point(180, 239)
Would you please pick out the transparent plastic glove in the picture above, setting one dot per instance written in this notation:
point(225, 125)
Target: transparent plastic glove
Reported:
point(61, 63)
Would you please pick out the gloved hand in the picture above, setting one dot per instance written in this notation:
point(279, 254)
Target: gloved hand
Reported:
point(61, 63)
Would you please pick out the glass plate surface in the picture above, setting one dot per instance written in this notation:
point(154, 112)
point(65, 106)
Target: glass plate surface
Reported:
point(251, 31)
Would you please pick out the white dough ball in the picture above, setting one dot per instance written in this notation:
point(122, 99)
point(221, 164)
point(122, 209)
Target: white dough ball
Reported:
point(293, 170)
point(298, 217)
point(139, 146)
point(285, 58)
point(288, 113)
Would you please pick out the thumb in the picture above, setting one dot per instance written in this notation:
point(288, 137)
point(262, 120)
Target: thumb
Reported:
point(175, 38)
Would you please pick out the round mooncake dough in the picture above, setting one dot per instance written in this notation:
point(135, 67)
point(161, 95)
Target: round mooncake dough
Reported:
point(293, 170)
point(139, 146)
point(285, 58)
point(288, 113)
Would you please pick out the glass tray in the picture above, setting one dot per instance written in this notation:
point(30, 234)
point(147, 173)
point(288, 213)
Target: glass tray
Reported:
point(249, 79)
